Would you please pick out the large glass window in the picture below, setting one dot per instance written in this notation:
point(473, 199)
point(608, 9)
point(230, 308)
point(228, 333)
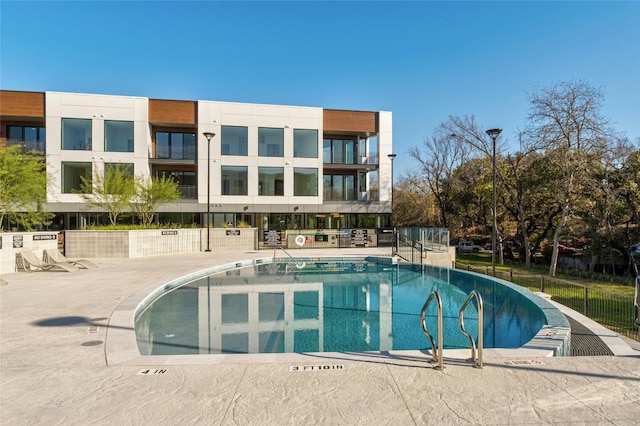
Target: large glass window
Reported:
point(125, 168)
point(176, 145)
point(305, 143)
point(76, 134)
point(72, 174)
point(270, 142)
point(305, 181)
point(32, 137)
point(339, 187)
point(362, 181)
point(118, 136)
point(234, 140)
point(271, 181)
point(186, 180)
point(339, 151)
point(234, 180)
point(115, 175)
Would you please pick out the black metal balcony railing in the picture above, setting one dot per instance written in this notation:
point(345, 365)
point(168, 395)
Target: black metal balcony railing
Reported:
point(175, 153)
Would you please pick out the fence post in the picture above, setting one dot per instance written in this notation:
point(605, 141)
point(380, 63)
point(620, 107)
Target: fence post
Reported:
point(542, 284)
point(510, 275)
point(586, 301)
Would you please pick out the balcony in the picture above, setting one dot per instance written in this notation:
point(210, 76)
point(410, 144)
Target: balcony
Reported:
point(27, 146)
point(188, 192)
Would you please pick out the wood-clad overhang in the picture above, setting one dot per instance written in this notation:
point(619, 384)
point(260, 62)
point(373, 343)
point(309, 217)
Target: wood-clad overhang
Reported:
point(18, 105)
point(173, 113)
point(350, 122)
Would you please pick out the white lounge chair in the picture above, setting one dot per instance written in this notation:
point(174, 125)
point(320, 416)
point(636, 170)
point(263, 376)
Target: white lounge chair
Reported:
point(31, 262)
point(54, 256)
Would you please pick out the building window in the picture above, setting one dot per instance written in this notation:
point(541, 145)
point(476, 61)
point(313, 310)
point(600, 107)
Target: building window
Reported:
point(118, 136)
point(116, 176)
point(339, 151)
point(305, 143)
point(72, 174)
point(271, 181)
point(234, 140)
point(176, 145)
point(33, 138)
point(76, 134)
point(270, 142)
point(234, 180)
point(305, 181)
point(339, 187)
point(362, 181)
point(186, 180)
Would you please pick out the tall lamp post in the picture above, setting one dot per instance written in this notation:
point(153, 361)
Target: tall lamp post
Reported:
point(391, 157)
point(493, 134)
point(209, 136)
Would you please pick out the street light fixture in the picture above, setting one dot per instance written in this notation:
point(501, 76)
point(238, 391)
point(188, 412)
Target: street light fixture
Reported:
point(391, 157)
point(395, 235)
point(493, 134)
point(209, 136)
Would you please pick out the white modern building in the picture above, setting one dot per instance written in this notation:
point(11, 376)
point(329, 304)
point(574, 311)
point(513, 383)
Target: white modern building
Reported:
point(272, 167)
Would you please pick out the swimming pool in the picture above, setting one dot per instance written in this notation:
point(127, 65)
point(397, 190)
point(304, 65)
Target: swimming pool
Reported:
point(324, 305)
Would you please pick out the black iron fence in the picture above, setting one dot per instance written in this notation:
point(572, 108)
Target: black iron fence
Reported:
point(615, 311)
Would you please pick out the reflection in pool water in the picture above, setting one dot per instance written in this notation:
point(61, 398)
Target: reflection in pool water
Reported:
point(329, 306)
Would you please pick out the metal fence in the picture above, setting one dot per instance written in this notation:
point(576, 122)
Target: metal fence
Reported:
point(409, 249)
point(436, 239)
point(615, 311)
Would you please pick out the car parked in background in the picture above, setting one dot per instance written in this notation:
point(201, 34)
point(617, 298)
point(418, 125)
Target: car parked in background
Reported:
point(562, 249)
point(466, 246)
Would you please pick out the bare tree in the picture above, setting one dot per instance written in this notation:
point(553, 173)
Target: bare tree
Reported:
point(565, 124)
point(439, 157)
point(414, 204)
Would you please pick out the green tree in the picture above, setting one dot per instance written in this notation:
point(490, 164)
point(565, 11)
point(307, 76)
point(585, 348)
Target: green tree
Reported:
point(111, 190)
point(23, 188)
point(527, 183)
point(151, 193)
point(606, 204)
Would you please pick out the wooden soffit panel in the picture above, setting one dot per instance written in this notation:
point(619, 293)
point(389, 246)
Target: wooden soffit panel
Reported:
point(172, 112)
point(350, 121)
point(21, 104)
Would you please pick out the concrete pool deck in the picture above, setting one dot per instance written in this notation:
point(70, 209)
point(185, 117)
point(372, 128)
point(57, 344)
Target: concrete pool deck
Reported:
point(53, 370)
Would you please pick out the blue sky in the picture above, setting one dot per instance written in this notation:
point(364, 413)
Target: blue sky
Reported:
point(423, 61)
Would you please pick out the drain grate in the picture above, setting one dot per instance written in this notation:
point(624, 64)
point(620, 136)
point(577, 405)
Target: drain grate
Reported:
point(93, 329)
point(585, 342)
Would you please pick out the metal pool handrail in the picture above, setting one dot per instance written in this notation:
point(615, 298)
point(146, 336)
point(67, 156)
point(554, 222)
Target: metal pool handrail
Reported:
point(436, 355)
point(299, 265)
point(478, 359)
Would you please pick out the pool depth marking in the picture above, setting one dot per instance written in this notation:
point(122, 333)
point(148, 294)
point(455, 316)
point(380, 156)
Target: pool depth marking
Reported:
point(151, 372)
point(316, 367)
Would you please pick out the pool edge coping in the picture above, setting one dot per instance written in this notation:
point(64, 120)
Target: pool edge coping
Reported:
point(121, 346)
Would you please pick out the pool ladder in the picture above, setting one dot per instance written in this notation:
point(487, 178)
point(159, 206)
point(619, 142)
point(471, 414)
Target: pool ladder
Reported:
point(436, 355)
point(298, 265)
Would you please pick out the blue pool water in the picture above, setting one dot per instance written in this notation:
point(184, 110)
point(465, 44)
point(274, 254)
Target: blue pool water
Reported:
point(329, 306)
